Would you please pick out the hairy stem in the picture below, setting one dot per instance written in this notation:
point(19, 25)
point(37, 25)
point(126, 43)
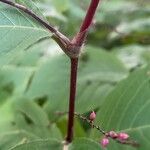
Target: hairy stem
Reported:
point(78, 40)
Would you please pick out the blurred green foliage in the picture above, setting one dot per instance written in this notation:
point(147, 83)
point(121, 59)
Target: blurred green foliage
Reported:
point(113, 74)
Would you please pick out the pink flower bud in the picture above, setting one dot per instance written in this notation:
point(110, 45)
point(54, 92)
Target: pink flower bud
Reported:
point(123, 136)
point(104, 142)
point(112, 134)
point(92, 116)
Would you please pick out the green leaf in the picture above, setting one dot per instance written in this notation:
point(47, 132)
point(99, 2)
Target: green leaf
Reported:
point(51, 12)
point(21, 114)
point(9, 139)
point(32, 118)
point(55, 132)
point(127, 10)
point(78, 128)
point(84, 144)
point(14, 80)
point(31, 5)
point(133, 55)
point(130, 26)
point(127, 109)
point(17, 32)
point(7, 118)
point(32, 111)
point(61, 6)
point(39, 145)
point(138, 28)
point(37, 54)
point(49, 80)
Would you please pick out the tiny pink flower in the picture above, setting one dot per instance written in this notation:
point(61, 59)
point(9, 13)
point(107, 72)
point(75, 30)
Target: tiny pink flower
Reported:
point(123, 136)
point(112, 134)
point(92, 116)
point(104, 142)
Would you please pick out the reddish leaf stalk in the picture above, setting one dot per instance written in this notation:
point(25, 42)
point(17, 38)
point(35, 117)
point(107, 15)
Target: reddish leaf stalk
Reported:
point(78, 41)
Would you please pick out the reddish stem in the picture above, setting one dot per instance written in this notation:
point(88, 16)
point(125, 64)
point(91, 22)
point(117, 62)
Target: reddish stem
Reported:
point(78, 40)
point(73, 80)
point(89, 16)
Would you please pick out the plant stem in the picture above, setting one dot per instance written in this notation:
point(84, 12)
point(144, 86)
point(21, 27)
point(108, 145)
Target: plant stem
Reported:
point(78, 40)
point(89, 16)
point(73, 80)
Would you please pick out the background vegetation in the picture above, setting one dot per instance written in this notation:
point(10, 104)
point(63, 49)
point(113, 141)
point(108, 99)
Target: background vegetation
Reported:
point(114, 75)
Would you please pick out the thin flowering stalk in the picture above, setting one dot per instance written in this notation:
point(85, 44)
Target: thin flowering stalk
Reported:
point(90, 123)
point(77, 42)
point(106, 135)
point(124, 139)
